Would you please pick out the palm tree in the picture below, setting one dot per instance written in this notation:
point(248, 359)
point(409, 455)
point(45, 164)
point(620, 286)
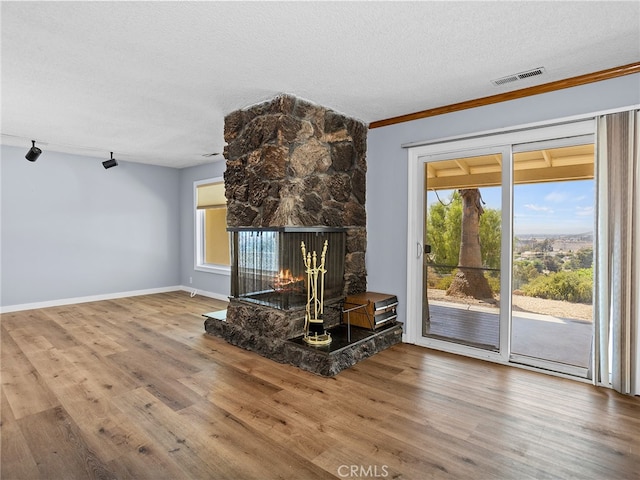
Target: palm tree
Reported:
point(469, 280)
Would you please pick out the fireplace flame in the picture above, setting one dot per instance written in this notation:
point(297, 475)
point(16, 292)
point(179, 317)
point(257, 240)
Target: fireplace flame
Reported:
point(285, 281)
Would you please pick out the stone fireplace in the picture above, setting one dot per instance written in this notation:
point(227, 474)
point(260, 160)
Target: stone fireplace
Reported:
point(295, 172)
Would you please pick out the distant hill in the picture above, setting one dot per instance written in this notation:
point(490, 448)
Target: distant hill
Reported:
point(558, 242)
point(584, 237)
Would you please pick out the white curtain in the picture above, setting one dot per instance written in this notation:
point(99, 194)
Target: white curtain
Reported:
point(618, 252)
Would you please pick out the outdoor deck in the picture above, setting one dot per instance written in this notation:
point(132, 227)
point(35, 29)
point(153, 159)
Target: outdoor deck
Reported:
point(563, 340)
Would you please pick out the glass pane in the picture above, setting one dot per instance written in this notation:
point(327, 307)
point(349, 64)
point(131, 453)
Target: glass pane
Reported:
point(552, 301)
point(216, 238)
point(462, 254)
point(270, 265)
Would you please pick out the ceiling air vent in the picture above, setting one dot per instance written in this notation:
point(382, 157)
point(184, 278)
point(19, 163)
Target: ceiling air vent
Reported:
point(518, 76)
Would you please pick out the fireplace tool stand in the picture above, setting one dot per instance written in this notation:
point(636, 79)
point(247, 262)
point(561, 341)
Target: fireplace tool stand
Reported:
point(314, 332)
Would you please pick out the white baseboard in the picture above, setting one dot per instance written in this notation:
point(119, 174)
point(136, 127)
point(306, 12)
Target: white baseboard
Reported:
point(91, 298)
point(216, 296)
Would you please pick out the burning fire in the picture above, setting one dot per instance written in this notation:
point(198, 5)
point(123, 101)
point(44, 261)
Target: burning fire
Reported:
point(286, 281)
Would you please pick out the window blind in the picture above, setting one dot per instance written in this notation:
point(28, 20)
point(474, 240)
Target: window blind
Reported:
point(211, 195)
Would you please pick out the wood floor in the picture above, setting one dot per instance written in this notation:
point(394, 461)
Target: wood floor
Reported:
point(133, 388)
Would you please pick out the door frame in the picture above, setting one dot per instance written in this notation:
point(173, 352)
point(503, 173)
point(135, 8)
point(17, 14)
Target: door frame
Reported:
point(463, 146)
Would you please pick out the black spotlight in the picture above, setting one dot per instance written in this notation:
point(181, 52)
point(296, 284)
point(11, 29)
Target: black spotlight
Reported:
point(110, 163)
point(33, 153)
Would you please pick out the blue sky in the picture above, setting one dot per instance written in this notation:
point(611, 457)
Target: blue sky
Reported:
point(544, 208)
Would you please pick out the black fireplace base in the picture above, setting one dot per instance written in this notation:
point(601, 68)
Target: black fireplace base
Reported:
point(341, 353)
point(329, 360)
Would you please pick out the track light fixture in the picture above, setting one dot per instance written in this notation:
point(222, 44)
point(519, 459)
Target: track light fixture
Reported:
point(112, 162)
point(33, 153)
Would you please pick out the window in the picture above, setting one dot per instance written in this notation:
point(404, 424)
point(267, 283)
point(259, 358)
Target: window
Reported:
point(258, 251)
point(212, 238)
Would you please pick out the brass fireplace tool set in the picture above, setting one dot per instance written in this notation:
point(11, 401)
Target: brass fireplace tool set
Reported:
point(314, 332)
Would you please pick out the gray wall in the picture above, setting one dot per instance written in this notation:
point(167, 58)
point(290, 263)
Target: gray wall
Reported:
point(217, 284)
point(387, 164)
point(70, 228)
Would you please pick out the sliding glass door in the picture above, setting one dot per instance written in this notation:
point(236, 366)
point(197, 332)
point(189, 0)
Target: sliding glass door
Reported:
point(552, 268)
point(505, 247)
point(462, 238)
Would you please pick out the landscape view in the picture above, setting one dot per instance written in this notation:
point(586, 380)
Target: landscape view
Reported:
point(553, 242)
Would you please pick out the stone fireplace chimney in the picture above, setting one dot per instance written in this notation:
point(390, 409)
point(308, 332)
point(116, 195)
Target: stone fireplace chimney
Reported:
point(293, 163)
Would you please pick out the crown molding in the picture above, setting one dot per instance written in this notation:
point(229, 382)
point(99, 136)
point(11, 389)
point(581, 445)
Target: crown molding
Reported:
point(524, 92)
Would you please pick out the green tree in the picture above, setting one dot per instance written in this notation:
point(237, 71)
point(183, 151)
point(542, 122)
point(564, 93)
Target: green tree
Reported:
point(490, 237)
point(444, 225)
point(523, 272)
point(469, 279)
point(537, 263)
point(544, 246)
point(551, 263)
point(571, 286)
point(444, 233)
point(583, 258)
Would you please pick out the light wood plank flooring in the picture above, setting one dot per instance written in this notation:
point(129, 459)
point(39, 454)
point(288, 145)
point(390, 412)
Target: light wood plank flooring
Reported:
point(134, 389)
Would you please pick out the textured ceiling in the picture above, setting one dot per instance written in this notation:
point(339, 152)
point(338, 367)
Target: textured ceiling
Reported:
point(152, 81)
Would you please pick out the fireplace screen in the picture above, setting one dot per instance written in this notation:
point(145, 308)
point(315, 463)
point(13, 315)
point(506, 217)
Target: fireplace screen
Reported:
point(267, 266)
